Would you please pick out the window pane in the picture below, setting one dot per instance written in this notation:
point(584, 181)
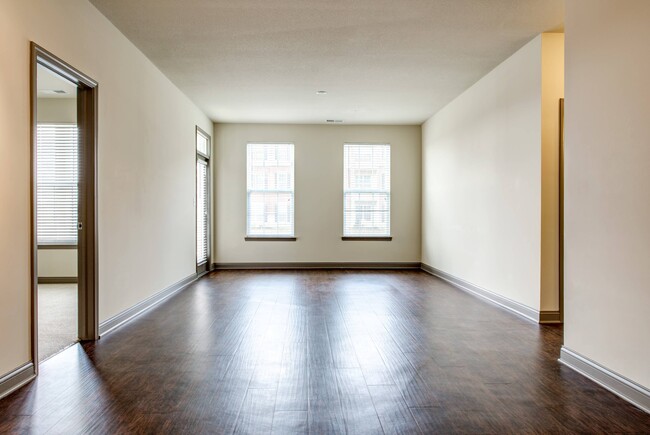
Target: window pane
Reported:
point(201, 212)
point(366, 181)
point(56, 184)
point(270, 203)
point(202, 143)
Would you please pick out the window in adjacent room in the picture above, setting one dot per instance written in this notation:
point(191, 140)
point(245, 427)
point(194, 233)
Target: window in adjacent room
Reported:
point(366, 190)
point(270, 190)
point(202, 200)
point(57, 183)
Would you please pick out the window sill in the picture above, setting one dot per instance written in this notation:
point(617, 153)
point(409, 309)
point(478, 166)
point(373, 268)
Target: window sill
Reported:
point(269, 239)
point(367, 238)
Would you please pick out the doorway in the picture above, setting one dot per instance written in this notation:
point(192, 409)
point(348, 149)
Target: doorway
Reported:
point(64, 248)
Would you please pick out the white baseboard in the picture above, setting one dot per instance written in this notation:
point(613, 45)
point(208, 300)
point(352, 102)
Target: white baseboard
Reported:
point(520, 309)
point(617, 384)
point(15, 379)
point(139, 308)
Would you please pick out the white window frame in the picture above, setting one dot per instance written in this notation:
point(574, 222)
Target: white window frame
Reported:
point(251, 149)
point(347, 191)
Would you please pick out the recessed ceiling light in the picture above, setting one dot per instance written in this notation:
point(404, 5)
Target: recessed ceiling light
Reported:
point(321, 92)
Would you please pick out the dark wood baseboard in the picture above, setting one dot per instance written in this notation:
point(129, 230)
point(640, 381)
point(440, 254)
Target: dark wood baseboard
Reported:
point(307, 265)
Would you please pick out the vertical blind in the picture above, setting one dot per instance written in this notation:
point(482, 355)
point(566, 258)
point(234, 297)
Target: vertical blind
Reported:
point(57, 180)
point(201, 211)
point(366, 184)
point(270, 190)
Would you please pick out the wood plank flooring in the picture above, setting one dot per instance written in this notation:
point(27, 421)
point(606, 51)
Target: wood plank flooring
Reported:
point(359, 352)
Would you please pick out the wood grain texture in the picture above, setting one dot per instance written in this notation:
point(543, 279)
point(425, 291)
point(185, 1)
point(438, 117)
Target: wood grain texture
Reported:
point(318, 352)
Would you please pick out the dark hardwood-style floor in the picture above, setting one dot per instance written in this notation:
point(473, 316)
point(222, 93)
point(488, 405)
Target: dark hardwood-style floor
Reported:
point(319, 352)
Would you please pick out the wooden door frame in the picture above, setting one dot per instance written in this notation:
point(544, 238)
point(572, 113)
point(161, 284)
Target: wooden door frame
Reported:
point(87, 92)
point(561, 212)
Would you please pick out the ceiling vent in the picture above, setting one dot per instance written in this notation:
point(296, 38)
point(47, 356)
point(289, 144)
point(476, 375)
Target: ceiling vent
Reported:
point(334, 121)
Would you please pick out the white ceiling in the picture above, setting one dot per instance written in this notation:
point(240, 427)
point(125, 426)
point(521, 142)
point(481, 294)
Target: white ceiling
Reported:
point(47, 82)
point(381, 61)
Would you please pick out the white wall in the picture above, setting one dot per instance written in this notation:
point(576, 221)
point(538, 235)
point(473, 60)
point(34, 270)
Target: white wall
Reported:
point(607, 204)
point(319, 194)
point(482, 181)
point(146, 163)
point(57, 262)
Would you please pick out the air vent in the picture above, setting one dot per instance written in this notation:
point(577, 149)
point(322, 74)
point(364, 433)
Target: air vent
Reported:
point(335, 121)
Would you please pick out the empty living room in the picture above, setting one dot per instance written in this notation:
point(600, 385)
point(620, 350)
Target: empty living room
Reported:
point(308, 217)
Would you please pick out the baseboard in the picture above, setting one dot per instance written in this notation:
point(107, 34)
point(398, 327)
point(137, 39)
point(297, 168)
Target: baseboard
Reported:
point(617, 384)
point(128, 314)
point(517, 308)
point(16, 379)
point(57, 280)
point(301, 265)
point(550, 317)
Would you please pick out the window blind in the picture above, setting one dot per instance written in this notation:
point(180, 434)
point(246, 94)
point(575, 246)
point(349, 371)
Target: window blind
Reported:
point(270, 190)
point(366, 190)
point(201, 211)
point(57, 183)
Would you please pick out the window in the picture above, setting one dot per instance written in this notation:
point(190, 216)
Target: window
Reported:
point(270, 190)
point(202, 199)
point(366, 190)
point(57, 183)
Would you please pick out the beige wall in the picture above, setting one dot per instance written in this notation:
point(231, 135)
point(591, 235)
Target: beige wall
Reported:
point(552, 91)
point(319, 194)
point(607, 204)
point(146, 163)
point(482, 180)
point(62, 110)
point(57, 262)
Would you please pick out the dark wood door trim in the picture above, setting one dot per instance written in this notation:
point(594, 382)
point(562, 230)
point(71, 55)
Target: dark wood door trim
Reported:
point(561, 212)
point(87, 237)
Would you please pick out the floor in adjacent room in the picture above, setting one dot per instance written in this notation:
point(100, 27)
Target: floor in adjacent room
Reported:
point(57, 318)
point(358, 352)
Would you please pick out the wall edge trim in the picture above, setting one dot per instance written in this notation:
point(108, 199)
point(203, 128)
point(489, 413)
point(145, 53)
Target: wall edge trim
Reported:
point(130, 313)
point(623, 387)
point(16, 378)
point(308, 265)
point(520, 309)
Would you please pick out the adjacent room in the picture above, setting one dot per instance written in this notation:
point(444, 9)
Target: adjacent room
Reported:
point(285, 217)
point(57, 204)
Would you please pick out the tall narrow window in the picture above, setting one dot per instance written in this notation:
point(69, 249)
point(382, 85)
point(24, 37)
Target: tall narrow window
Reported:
point(202, 200)
point(270, 190)
point(57, 183)
point(366, 195)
